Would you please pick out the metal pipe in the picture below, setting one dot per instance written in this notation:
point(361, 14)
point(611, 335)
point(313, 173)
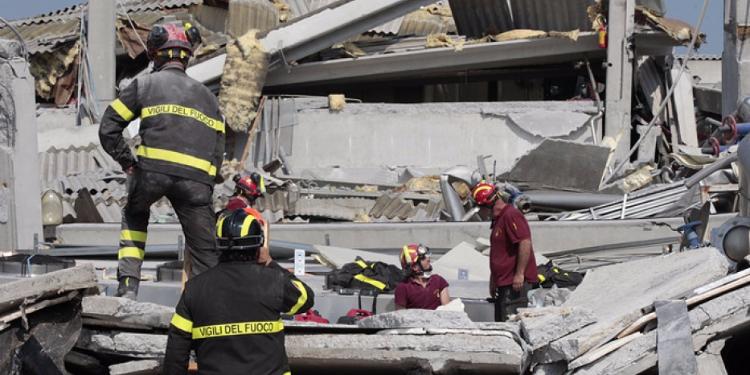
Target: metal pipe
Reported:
point(567, 200)
point(717, 165)
point(451, 199)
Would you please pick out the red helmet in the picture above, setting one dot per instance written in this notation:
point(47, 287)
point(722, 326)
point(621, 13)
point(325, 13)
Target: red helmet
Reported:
point(173, 35)
point(252, 186)
point(411, 257)
point(484, 193)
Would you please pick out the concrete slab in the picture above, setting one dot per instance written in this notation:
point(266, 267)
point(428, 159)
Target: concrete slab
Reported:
point(463, 257)
point(539, 327)
point(630, 287)
point(413, 354)
point(122, 310)
point(418, 318)
point(135, 345)
point(47, 285)
point(561, 164)
point(144, 367)
point(674, 343)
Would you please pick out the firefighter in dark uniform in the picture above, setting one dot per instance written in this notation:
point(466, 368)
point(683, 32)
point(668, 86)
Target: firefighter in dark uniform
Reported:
point(181, 151)
point(230, 314)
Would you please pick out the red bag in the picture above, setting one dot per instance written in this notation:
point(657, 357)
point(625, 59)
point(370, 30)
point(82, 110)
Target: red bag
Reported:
point(311, 316)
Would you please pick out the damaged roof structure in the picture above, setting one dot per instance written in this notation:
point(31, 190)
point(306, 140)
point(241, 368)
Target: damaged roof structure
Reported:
point(371, 121)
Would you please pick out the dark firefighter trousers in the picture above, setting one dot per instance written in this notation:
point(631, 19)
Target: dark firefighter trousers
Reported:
point(191, 200)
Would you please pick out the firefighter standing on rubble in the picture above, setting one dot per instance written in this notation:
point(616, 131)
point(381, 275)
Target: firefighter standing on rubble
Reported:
point(512, 263)
point(230, 314)
point(181, 150)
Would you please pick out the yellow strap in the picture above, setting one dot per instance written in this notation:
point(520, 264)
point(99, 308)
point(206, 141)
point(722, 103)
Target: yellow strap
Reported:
point(132, 235)
point(246, 225)
point(287, 373)
point(122, 110)
point(131, 252)
point(182, 323)
point(177, 158)
point(361, 263)
point(378, 284)
point(178, 110)
point(220, 226)
point(302, 297)
point(541, 278)
point(236, 329)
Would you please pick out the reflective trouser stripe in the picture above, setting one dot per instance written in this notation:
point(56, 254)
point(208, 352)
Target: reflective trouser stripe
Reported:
point(378, 284)
point(361, 263)
point(236, 329)
point(287, 373)
point(133, 235)
point(177, 158)
point(182, 323)
point(122, 110)
point(302, 297)
point(131, 252)
point(178, 110)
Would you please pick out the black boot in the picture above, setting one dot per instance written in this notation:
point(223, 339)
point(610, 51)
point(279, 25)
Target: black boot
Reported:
point(128, 287)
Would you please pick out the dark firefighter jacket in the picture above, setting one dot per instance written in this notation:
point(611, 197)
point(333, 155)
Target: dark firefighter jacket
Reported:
point(230, 316)
point(182, 131)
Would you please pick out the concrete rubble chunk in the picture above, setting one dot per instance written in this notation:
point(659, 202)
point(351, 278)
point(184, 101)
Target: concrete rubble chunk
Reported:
point(123, 310)
point(543, 297)
point(418, 318)
point(630, 287)
point(710, 361)
point(556, 368)
point(675, 344)
point(136, 345)
point(47, 285)
point(143, 367)
point(542, 326)
point(437, 354)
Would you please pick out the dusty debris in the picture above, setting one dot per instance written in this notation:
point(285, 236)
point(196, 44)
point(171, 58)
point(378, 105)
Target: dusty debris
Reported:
point(444, 40)
point(123, 312)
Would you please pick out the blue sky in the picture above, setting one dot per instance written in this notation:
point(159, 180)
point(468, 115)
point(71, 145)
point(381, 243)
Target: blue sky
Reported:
point(686, 10)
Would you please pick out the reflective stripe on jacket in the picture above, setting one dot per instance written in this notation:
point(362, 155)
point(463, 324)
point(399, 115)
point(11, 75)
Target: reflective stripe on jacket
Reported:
point(182, 131)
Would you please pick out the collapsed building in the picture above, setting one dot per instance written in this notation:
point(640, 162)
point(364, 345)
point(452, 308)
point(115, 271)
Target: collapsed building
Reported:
point(371, 120)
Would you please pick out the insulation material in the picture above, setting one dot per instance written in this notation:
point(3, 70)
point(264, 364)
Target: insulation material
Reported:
point(422, 22)
point(242, 82)
point(636, 180)
point(426, 184)
point(572, 35)
point(676, 29)
point(443, 40)
point(48, 67)
point(520, 34)
point(285, 12)
point(336, 102)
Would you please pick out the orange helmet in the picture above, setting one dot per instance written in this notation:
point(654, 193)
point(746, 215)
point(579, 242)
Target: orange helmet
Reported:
point(484, 193)
point(411, 257)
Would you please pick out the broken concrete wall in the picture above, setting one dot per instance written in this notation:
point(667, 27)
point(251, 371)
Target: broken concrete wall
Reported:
point(430, 136)
point(616, 294)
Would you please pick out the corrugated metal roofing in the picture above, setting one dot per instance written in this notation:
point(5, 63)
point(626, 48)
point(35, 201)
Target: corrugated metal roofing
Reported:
point(551, 15)
point(477, 18)
point(44, 32)
point(302, 7)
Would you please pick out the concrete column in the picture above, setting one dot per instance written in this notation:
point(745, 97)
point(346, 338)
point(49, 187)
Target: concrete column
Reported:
point(619, 76)
point(101, 50)
point(736, 55)
point(19, 165)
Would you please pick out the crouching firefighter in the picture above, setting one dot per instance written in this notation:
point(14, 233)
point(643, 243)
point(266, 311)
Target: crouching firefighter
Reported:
point(230, 314)
point(182, 147)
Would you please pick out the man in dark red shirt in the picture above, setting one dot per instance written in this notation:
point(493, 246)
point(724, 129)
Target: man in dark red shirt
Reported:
point(512, 264)
point(421, 289)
